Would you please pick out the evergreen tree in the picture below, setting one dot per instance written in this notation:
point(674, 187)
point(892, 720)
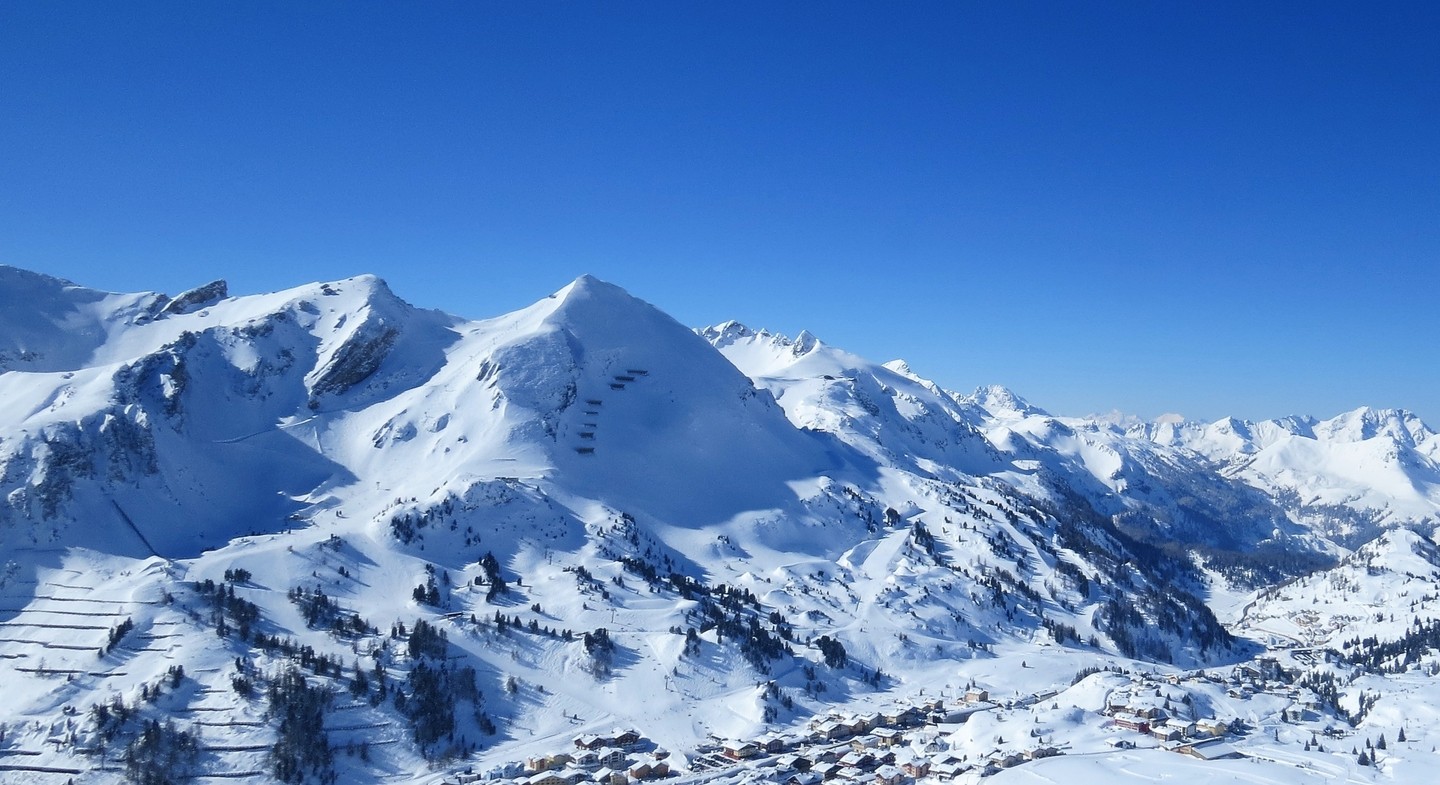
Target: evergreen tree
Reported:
point(303, 748)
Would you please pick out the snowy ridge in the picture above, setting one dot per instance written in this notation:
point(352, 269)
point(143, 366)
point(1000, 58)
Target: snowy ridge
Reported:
point(899, 418)
point(895, 417)
point(49, 324)
point(1347, 477)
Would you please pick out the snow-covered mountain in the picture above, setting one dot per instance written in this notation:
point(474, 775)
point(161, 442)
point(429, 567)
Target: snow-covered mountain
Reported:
point(1158, 493)
point(1347, 477)
point(897, 417)
point(886, 412)
point(353, 524)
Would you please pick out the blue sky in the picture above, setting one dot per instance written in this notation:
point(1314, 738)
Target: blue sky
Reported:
point(1205, 208)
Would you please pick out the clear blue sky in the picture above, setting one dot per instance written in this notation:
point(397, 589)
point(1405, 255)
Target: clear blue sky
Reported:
point(1196, 207)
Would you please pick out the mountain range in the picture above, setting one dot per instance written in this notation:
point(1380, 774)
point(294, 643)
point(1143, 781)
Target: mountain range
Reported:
point(323, 519)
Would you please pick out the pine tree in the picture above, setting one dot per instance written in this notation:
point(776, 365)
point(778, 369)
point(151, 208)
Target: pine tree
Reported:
point(360, 685)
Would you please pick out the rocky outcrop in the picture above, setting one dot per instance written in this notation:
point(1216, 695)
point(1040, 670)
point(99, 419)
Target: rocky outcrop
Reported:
point(197, 298)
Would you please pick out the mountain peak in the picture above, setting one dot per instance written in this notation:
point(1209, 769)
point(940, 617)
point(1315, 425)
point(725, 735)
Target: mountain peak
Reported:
point(12, 277)
point(33, 291)
point(373, 286)
point(588, 287)
point(726, 333)
point(901, 367)
point(603, 311)
point(199, 297)
point(1231, 424)
point(1000, 400)
point(1367, 423)
point(806, 342)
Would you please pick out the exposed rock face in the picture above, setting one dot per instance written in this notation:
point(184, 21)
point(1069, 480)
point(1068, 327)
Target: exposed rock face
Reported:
point(197, 298)
point(357, 359)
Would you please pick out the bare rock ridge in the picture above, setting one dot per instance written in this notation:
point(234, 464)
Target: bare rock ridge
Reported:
point(198, 298)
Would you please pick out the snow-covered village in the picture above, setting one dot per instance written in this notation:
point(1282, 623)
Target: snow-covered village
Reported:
point(928, 740)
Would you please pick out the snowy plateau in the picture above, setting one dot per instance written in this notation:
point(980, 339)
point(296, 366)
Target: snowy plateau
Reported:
point(322, 535)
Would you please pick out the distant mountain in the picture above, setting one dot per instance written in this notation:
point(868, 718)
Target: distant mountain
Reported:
point(1347, 478)
point(455, 540)
point(1158, 493)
